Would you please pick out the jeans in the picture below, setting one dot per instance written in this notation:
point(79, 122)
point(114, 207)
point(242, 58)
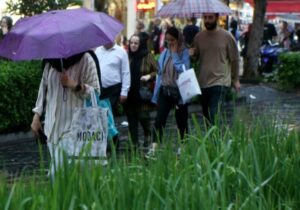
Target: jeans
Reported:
point(212, 99)
point(165, 104)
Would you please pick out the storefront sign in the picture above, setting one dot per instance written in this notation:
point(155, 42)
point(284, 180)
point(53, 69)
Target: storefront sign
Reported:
point(145, 5)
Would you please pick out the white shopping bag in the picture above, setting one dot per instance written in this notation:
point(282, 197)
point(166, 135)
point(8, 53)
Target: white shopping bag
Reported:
point(87, 136)
point(188, 85)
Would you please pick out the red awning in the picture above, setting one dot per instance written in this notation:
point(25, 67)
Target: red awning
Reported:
point(281, 6)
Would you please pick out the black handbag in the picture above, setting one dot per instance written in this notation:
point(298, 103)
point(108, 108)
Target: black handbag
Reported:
point(172, 92)
point(145, 93)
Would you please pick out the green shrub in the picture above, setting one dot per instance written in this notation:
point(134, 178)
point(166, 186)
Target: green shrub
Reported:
point(289, 70)
point(19, 82)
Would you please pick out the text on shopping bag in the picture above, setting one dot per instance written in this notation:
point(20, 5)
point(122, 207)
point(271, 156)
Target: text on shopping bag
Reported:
point(90, 136)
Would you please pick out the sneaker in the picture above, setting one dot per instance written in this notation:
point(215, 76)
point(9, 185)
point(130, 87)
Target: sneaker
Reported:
point(152, 151)
point(178, 152)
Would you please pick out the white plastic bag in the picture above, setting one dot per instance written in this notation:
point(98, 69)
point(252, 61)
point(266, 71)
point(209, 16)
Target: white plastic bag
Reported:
point(87, 136)
point(188, 84)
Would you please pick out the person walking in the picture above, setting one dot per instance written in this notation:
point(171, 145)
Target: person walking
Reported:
point(217, 53)
point(143, 70)
point(115, 75)
point(166, 93)
point(234, 29)
point(155, 35)
point(190, 31)
point(141, 31)
point(60, 92)
point(6, 25)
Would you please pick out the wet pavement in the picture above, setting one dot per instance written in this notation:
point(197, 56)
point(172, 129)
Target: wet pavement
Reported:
point(21, 153)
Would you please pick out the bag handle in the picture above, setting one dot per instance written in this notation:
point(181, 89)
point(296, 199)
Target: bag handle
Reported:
point(93, 97)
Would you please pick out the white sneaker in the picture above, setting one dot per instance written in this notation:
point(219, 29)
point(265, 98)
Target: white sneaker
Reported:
point(178, 153)
point(152, 151)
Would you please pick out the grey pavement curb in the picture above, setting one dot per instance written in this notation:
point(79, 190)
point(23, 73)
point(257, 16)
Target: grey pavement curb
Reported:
point(12, 138)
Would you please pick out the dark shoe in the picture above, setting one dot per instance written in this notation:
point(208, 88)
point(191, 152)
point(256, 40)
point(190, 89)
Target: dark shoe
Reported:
point(114, 143)
point(147, 141)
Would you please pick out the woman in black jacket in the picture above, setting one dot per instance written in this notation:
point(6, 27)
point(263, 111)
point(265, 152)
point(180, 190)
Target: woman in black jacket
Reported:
point(143, 69)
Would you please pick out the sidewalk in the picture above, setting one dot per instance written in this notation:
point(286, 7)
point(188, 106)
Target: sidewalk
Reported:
point(19, 151)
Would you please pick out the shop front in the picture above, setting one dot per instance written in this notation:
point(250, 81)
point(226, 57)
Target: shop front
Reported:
point(126, 11)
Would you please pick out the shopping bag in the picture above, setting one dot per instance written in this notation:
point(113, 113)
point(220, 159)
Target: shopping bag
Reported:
point(87, 136)
point(105, 103)
point(112, 129)
point(188, 84)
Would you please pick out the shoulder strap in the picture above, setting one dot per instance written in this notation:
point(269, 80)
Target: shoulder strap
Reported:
point(94, 56)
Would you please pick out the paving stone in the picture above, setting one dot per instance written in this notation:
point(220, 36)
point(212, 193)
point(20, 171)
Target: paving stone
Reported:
point(23, 154)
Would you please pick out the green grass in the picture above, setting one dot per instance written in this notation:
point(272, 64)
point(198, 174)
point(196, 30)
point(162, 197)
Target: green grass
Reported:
point(253, 165)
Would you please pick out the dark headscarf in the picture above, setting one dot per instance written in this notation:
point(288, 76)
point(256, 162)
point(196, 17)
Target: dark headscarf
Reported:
point(135, 65)
point(67, 62)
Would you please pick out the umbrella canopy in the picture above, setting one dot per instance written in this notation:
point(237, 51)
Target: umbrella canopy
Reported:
point(59, 34)
point(192, 8)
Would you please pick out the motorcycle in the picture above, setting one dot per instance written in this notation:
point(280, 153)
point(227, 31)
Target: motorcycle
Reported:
point(269, 56)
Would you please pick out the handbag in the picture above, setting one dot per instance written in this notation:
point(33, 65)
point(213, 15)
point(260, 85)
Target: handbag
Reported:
point(188, 84)
point(87, 136)
point(171, 92)
point(145, 93)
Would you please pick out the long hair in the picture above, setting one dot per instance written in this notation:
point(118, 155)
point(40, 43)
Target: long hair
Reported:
point(176, 33)
point(9, 22)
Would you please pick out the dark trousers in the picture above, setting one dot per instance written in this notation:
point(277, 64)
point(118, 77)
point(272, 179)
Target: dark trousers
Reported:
point(165, 104)
point(212, 99)
point(134, 117)
point(113, 94)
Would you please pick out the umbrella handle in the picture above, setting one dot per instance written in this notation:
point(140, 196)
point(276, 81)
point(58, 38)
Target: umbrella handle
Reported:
point(61, 65)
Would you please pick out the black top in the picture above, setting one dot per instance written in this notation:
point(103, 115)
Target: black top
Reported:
point(189, 32)
point(269, 32)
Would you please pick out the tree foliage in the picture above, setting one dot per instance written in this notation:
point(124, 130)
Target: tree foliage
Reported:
point(33, 7)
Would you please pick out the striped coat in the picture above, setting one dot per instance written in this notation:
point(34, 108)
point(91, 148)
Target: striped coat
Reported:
point(60, 101)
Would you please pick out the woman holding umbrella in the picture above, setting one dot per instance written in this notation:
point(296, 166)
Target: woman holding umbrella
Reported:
point(62, 88)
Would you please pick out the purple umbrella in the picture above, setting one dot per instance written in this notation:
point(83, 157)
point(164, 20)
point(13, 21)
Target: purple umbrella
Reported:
point(59, 34)
point(192, 8)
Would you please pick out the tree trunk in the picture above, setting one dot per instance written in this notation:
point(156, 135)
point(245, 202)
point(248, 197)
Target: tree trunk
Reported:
point(255, 40)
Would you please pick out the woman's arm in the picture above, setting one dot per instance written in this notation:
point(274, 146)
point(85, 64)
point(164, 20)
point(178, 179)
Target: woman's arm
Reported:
point(42, 91)
point(180, 59)
point(39, 105)
point(151, 68)
point(87, 79)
